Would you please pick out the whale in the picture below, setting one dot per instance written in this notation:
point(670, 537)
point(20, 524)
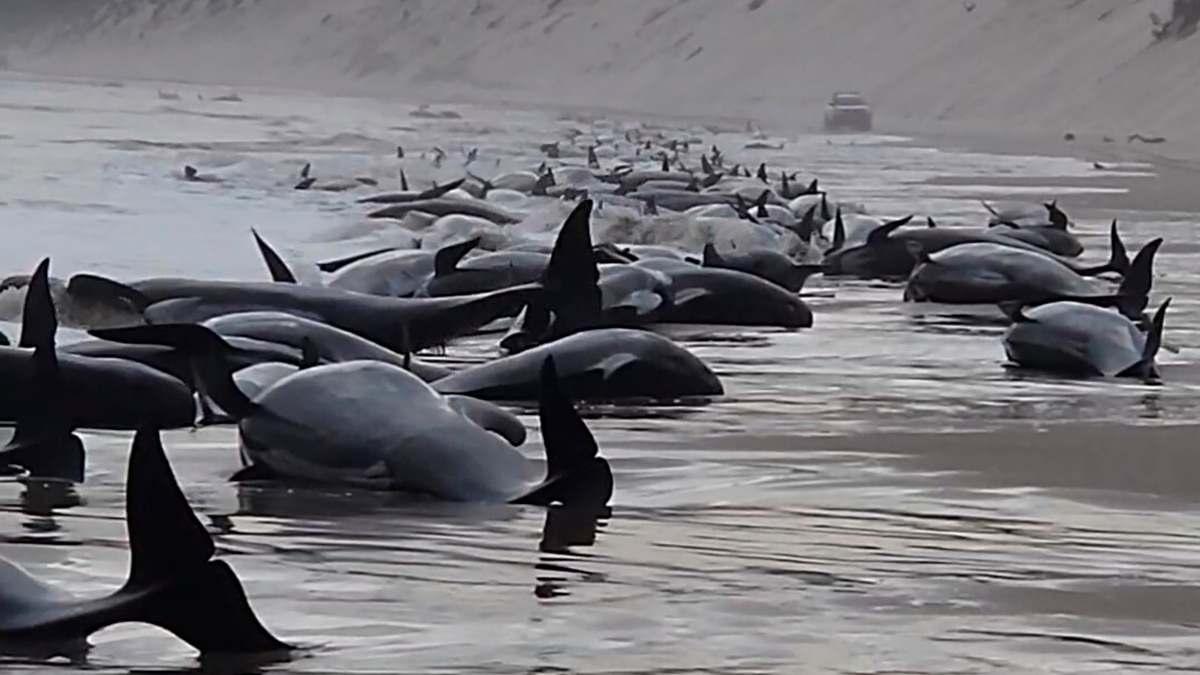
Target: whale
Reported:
point(330, 344)
point(174, 583)
point(605, 364)
point(408, 196)
point(400, 324)
point(983, 272)
point(446, 206)
point(706, 295)
point(380, 427)
point(96, 393)
point(764, 263)
point(1083, 340)
point(886, 252)
point(1045, 226)
point(482, 273)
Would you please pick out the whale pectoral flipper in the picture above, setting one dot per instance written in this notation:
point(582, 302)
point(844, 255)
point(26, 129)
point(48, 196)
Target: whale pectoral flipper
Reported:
point(575, 473)
point(175, 583)
point(612, 364)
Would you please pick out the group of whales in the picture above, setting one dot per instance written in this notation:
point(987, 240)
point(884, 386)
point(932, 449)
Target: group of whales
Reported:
point(323, 384)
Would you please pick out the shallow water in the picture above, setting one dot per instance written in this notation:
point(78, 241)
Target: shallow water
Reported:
point(805, 522)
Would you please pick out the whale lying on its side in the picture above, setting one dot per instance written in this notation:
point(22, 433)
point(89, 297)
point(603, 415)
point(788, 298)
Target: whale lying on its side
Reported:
point(1079, 339)
point(375, 425)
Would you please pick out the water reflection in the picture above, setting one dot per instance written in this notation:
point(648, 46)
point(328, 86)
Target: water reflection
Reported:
point(566, 529)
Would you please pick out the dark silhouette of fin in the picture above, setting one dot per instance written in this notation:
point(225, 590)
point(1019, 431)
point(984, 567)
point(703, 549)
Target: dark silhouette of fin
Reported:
point(1140, 275)
point(666, 163)
point(178, 587)
point(544, 182)
point(761, 174)
point(208, 351)
point(839, 232)
point(1058, 219)
point(760, 205)
point(880, 234)
point(803, 272)
point(441, 190)
point(711, 257)
point(43, 443)
point(306, 170)
point(813, 189)
point(446, 260)
point(339, 263)
point(592, 160)
point(929, 221)
point(576, 475)
point(990, 209)
point(807, 225)
point(403, 180)
point(705, 165)
point(1147, 368)
point(305, 183)
point(571, 279)
point(107, 291)
point(279, 269)
point(1118, 257)
point(39, 321)
point(825, 215)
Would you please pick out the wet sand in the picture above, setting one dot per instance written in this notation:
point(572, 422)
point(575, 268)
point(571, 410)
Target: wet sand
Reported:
point(877, 494)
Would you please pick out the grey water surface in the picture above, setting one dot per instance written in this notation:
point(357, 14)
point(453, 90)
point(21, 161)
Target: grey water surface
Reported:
point(747, 535)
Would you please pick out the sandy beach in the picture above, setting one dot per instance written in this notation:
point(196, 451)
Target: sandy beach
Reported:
point(876, 494)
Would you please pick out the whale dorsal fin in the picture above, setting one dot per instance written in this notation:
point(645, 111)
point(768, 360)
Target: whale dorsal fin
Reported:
point(711, 257)
point(839, 231)
point(43, 443)
point(403, 181)
point(280, 272)
point(446, 260)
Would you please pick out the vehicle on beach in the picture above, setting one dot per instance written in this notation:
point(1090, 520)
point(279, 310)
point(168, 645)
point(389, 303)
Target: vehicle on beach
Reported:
point(848, 110)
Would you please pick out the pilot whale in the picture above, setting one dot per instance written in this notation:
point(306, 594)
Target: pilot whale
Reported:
point(96, 393)
point(594, 365)
point(380, 427)
point(1080, 339)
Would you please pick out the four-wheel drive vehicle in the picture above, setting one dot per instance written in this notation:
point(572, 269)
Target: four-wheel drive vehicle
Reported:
point(848, 110)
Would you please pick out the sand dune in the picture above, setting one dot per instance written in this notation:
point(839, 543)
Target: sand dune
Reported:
point(1037, 66)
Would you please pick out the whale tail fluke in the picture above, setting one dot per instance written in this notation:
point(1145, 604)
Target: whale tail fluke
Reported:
point(1118, 256)
point(209, 353)
point(1147, 368)
point(173, 581)
point(576, 474)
